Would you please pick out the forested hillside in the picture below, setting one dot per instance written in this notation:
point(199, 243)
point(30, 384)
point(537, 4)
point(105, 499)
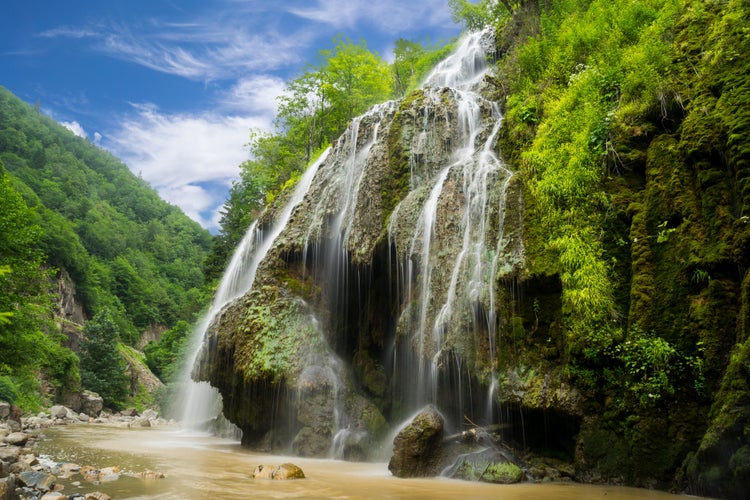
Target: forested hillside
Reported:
point(70, 208)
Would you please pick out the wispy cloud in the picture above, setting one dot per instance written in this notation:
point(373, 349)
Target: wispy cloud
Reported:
point(388, 16)
point(202, 51)
point(183, 156)
point(69, 32)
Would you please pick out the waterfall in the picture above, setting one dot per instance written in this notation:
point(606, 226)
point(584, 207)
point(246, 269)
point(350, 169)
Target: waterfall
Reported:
point(449, 276)
point(201, 402)
point(435, 245)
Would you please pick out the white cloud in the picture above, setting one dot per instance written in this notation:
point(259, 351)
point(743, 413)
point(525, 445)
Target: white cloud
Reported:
point(202, 51)
point(183, 155)
point(75, 127)
point(97, 137)
point(256, 94)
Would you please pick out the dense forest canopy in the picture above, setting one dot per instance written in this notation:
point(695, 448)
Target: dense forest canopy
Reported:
point(70, 207)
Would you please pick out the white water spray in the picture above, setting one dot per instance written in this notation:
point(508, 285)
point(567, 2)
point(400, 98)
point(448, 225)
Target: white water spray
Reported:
point(201, 401)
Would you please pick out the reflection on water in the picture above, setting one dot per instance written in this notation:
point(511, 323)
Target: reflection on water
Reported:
point(200, 467)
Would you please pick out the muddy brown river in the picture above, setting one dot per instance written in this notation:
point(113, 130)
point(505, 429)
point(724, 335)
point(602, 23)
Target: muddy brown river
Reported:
point(200, 467)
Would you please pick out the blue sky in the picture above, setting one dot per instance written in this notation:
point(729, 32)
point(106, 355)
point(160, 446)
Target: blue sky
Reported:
point(173, 87)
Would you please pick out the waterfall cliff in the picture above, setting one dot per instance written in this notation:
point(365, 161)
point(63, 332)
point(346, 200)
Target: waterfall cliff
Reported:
point(378, 291)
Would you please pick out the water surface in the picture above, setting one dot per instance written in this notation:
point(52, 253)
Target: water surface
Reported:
point(200, 467)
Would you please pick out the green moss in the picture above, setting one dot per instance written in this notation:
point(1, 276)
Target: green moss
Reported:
point(502, 473)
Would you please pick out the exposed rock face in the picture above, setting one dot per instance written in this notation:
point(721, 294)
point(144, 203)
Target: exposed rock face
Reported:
point(70, 314)
point(417, 448)
point(372, 299)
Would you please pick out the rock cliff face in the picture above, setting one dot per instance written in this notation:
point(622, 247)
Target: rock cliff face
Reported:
point(416, 269)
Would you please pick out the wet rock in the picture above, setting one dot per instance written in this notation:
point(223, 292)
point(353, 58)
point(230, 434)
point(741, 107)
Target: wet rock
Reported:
point(108, 474)
point(263, 472)
point(281, 472)
point(150, 475)
point(416, 449)
point(89, 473)
point(97, 495)
point(489, 466)
point(16, 438)
point(68, 469)
point(39, 480)
point(129, 412)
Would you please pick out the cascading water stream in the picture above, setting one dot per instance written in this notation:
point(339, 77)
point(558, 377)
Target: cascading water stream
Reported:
point(201, 401)
point(447, 243)
point(442, 300)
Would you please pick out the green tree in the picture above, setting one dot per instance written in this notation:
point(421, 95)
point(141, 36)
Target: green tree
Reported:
point(412, 62)
point(476, 16)
point(23, 283)
point(102, 367)
point(352, 78)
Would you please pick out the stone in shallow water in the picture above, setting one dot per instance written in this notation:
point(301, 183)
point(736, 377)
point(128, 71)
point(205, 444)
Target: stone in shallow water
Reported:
point(38, 480)
point(283, 471)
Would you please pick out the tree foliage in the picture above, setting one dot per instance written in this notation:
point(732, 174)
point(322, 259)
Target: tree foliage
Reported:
point(106, 227)
point(29, 342)
point(102, 366)
point(315, 109)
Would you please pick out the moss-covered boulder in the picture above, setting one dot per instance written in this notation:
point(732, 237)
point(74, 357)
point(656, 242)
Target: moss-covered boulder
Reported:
point(489, 465)
point(417, 448)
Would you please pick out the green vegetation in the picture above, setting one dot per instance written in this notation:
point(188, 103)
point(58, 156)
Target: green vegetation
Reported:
point(69, 208)
point(124, 247)
point(623, 119)
point(102, 366)
point(315, 110)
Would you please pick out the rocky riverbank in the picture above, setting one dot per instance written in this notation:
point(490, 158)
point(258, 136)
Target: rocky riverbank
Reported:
point(26, 475)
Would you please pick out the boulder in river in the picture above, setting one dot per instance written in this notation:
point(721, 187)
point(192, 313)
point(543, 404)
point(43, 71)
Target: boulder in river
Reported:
point(283, 471)
point(39, 480)
point(417, 448)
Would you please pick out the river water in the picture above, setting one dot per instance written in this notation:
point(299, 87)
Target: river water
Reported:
point(202, 467)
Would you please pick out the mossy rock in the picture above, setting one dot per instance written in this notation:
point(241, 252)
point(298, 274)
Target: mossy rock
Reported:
point(489, 466)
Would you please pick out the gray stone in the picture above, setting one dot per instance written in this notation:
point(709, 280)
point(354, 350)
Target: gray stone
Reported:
point(16, 438)
point(39, 480)
point(58, 411)
point(9, 454)
point(4, 409)
point(91, 403)
point(150, 414)
point(491, 466)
